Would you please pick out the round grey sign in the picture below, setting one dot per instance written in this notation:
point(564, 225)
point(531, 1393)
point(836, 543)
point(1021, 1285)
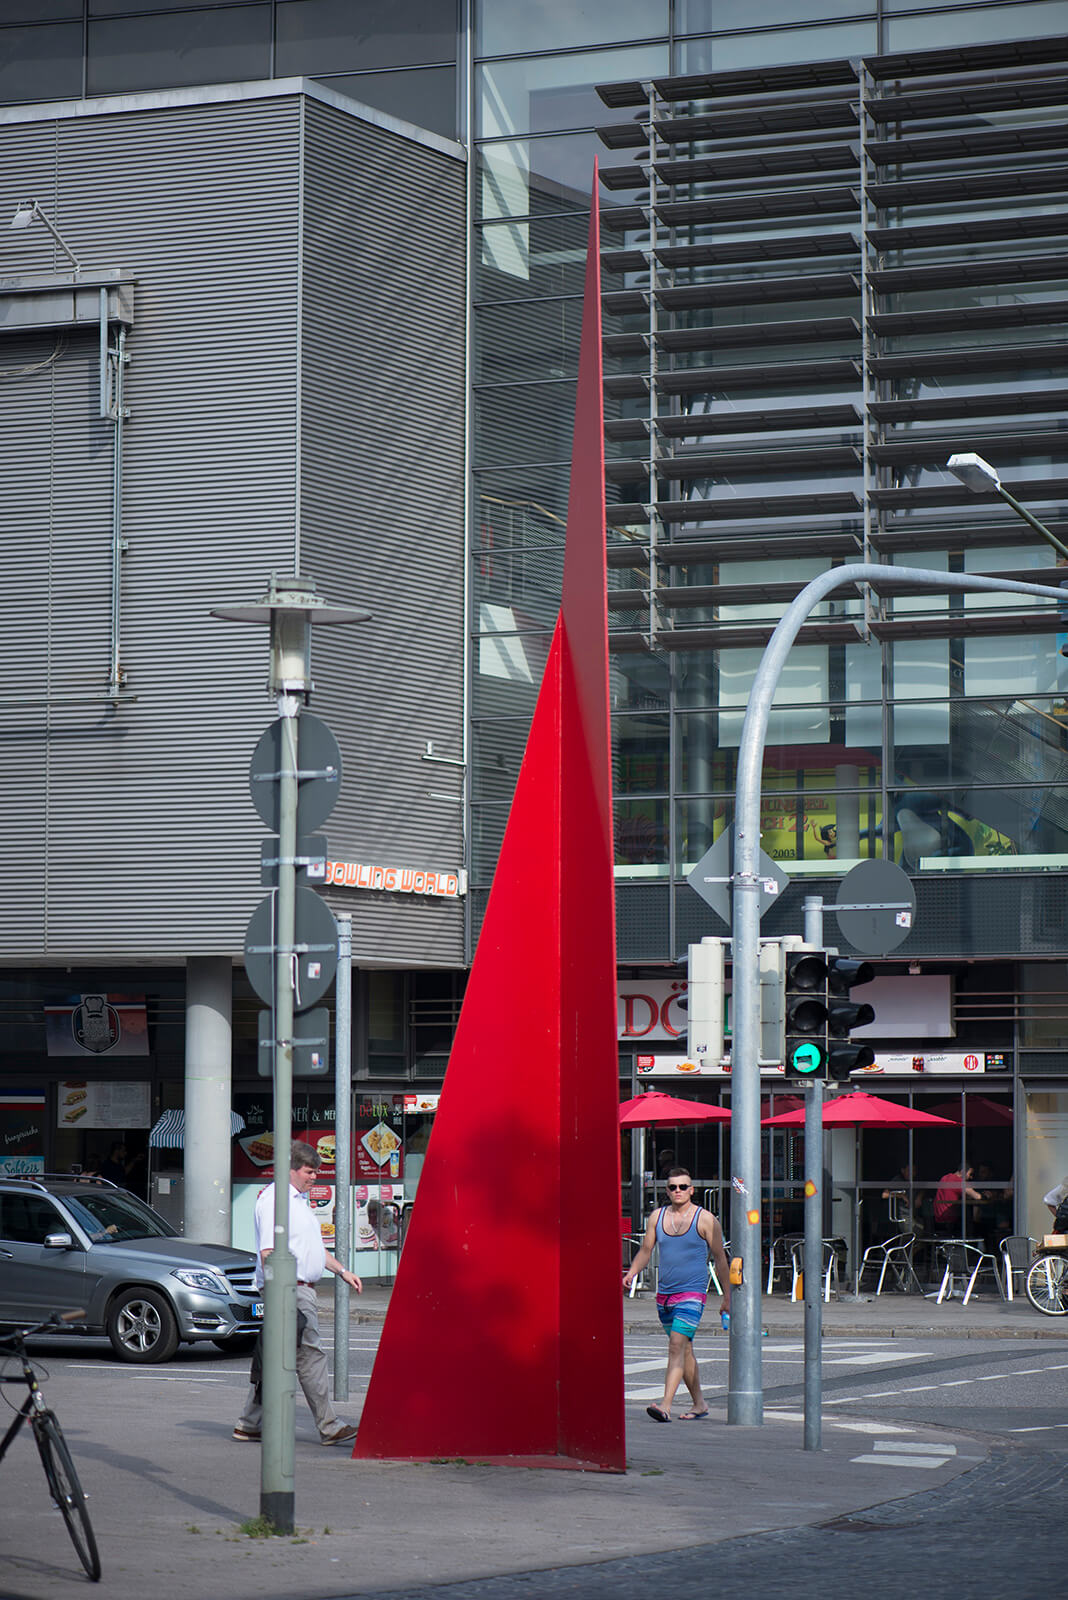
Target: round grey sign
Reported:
point(315, 938)
point(318, 761)
point(876, 907)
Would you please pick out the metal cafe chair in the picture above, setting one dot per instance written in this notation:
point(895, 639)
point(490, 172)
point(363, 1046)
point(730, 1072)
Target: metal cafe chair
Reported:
point(780, 1259)
point(831, 1248)
point(713, 1279)
point(632, 1242)
point(1017, 1252)
point(892, 1255)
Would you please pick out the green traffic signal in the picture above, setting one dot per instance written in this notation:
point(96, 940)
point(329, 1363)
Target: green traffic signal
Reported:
point(805, 1013)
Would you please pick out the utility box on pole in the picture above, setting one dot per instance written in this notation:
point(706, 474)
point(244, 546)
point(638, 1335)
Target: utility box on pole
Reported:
point(705, 1015)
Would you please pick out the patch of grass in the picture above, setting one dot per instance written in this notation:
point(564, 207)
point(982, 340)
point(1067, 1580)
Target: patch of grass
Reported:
point(191, 1527)
point(260, 1527)
point(653, 1472)
point(449, 1461)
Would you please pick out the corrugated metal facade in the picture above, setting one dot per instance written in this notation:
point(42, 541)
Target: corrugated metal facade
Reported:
point(382, 496)
point(127, 831)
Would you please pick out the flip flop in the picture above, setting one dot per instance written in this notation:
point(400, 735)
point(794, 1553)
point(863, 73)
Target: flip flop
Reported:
point(656, 1414)
point(693, 1416)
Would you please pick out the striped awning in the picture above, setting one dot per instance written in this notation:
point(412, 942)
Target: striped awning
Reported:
point(169, 1132)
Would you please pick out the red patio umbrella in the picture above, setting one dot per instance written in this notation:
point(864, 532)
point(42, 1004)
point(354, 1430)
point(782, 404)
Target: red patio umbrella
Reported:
point(655, 1108)
point(860, 1110)
point(982, 1111)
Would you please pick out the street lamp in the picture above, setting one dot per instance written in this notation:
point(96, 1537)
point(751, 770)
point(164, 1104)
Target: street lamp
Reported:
point(28, 211)
point(981, 478)
point(291, 607)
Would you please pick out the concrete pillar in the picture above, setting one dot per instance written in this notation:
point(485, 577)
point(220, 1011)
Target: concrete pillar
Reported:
point(208, 1008)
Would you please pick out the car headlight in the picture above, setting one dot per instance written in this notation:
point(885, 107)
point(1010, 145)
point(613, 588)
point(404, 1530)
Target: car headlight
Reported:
point(200, 1278)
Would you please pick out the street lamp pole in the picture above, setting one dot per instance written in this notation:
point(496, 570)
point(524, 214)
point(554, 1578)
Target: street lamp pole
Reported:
point(290, 607)
point(745, 1398)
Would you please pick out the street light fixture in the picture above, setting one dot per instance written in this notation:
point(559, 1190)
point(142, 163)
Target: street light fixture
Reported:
point(981, 478)
point(28, 211)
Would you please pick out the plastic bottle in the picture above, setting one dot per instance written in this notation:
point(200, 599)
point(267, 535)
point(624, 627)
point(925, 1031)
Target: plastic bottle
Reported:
point(725, 1318)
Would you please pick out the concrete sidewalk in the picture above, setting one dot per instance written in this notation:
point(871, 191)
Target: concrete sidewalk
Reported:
point(170, 1490)
point(901, 1316)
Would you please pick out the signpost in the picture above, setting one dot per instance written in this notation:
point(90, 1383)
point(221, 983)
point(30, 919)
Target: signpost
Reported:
point(294, 778)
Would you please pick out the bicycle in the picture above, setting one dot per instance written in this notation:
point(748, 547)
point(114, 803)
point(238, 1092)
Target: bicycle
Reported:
point(63, 1484)
point(1047, 1280)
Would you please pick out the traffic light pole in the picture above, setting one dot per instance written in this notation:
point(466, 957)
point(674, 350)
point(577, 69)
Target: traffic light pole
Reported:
point(745, 1398)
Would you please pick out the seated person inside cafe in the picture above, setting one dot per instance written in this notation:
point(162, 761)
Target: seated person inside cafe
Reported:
point(686, 1234)
point(953, 1190)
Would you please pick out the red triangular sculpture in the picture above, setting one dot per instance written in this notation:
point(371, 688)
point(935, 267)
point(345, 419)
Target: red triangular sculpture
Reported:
point(503, 1339)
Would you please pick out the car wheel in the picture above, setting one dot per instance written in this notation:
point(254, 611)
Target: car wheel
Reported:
point(142, 1326)
point(238, 1344)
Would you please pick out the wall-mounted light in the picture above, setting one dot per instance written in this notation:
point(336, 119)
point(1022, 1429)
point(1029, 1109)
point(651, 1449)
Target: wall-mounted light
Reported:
point(28, 211)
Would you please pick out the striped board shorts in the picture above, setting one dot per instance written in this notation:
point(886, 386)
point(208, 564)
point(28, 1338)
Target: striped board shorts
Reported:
point(680, 1313)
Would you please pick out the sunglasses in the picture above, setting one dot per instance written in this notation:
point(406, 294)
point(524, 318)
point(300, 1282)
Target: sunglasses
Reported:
point(680, 1186)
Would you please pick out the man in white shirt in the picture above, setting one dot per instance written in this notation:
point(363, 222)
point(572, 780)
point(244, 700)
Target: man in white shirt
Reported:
point(312, 1256)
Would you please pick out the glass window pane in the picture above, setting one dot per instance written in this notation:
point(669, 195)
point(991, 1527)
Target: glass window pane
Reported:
point(385, 1008)
point(705, 16)
point(519, 584)
point(512, 27)
point(40, 10)
point(509, 667)
point(316, 36)
point(545, 256)
point(527, 342)
point(548, 93)
point(1025, 664)
point(981, 25)
point(640, 762)
point(41, 63)
point(773, 48)
point(641, 836)
point(803, 684)
point(532, 422)
point(425, 97)
point(637, 682)
point(975, 829)
point(185, 47)
point(497, 748)
point(550, 174)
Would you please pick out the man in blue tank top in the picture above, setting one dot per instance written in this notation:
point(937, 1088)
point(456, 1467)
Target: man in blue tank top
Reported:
point(686, 1234)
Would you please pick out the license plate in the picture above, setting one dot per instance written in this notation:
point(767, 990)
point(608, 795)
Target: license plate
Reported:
point(257, 1308)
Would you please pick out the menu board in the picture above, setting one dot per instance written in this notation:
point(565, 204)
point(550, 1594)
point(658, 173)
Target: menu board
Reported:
point(22, 1116)
point(82, 1104)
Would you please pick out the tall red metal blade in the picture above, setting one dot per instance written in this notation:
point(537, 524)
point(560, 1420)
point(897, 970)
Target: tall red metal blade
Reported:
point(509, 1282)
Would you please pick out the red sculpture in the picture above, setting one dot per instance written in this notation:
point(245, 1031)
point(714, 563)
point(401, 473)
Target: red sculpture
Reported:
point(503, 1340)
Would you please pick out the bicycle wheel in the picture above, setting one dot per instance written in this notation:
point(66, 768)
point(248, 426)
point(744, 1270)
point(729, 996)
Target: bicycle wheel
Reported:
point(66, 1491)
point(1047, 1285)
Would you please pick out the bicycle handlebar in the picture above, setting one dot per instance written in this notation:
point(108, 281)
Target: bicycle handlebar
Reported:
point(56, 1320)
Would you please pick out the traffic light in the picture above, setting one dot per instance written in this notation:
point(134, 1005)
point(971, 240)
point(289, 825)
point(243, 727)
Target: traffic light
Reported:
point(843, 1015)
point(704, 1001)
point(805, 1007)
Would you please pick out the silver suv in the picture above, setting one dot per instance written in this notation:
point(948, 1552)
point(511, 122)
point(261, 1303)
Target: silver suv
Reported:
point(71, 1243)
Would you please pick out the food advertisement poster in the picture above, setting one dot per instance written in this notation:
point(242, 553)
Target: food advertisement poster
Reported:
point(82, 1104)
point(254, 1153)
point(22, 1113)
point(378, 1139)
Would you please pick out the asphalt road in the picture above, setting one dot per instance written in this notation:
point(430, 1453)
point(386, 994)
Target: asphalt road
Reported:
point(942, 1475)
